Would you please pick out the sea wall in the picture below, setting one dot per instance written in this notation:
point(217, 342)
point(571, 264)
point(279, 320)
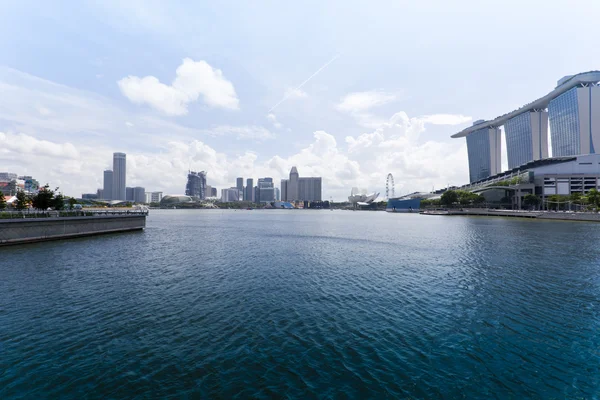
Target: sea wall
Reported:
point(563, 216)
point(17, 231)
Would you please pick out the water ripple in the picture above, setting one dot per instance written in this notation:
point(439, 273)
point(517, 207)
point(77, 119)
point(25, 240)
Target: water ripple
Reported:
point(305, 305)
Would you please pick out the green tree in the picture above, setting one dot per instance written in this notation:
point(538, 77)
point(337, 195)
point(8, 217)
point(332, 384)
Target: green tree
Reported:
point(594, 197)
point(479, 199)
point(58, 203)
point(22, 201)
point(72, 203)
point(2, 201)
point(531, 200)
point(43, 199)
point(449, 197)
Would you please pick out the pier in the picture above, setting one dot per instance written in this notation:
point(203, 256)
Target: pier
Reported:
point(31, 227)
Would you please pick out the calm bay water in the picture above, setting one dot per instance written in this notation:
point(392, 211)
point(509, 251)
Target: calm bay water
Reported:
point(305, 304)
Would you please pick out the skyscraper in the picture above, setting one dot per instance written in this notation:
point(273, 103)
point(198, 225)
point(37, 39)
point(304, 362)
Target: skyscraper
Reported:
point(526, 137)
point(240, 186)
point(108, 185)
point(573, 116)
point(119, 174)
point(249, 190)
point(139, 194)
point(265, 190)
point(129, 194)
point(575, 121)
point(302, 189)
point(483, 147)
point(196, 184)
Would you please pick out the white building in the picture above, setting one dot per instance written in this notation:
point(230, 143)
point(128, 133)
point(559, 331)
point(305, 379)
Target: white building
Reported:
point(154, 197)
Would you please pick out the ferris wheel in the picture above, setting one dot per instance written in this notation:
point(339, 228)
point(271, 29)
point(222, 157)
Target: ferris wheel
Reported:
point(388, 180)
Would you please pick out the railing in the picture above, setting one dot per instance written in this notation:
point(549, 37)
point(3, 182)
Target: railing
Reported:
point(30, 213)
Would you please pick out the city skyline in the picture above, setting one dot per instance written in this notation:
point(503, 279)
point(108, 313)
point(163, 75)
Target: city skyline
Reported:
point(318, 94)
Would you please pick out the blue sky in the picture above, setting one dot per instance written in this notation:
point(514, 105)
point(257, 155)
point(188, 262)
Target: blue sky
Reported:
point(81, 79)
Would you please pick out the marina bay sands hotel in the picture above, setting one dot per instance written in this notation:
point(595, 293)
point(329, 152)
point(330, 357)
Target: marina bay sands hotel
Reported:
point(571, 111)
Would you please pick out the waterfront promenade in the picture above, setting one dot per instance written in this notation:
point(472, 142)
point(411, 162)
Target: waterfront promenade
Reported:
point(553, 215)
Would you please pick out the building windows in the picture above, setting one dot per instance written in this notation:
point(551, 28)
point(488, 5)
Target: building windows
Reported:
point(564, 124)
point(519, 145)
point(478, 148)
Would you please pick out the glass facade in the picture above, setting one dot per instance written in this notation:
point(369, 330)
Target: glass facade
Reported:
point(478, 148)
point(519, 144)
point(564, 124)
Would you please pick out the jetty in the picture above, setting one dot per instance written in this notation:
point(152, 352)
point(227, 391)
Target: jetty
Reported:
point(31, 227)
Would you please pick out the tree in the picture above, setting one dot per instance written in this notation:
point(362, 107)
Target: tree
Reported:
point(479, 199)
point(43, 199)
point(22, 201)
point(594, 197)
point(72, 202)
point(2, 201)
point(449, 197)
point(531, 200)
point(58, 202)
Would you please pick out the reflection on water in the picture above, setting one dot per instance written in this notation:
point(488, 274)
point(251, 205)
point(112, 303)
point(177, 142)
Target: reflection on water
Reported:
point(306, 304)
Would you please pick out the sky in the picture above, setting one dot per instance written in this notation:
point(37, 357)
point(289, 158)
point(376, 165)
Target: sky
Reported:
point(346, 90)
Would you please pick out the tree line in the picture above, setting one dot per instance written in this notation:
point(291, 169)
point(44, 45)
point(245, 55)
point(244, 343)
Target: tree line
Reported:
point(44, 199)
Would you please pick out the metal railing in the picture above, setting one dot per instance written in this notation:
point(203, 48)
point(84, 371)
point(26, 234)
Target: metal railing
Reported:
point(31, 213)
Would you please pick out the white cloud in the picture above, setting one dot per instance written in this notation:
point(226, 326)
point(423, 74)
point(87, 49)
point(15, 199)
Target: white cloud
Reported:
point(251, 132)
point(44, 111)
point(295, 93)
point(271, 117)
point(193, 78)
point(446, 119)
point(129, 124)
point(363, 101)
point(29, 145)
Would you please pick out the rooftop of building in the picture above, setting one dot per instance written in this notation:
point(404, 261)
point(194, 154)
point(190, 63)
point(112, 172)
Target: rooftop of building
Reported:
point(564, 84)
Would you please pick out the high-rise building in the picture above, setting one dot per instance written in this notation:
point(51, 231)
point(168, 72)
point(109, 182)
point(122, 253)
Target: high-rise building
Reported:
point(309, 189)
point(129, 194)
point(575, 121)
point(196, 184)
point(249, 190)
point(265, 190)
point(572, 116)
point(208, 191)
point(119, 176)
point(100, 194)
point(483, 147)
point(213, 192)
point(277, 194)
point(108, 185)
point(89, 196)
point(526, 137)
point(7, 176)
point(230, 195)
point(139, 194)
point(301, 189)
point(240, 187)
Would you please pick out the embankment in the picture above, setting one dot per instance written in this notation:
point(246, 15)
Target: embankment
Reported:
point(29, 230)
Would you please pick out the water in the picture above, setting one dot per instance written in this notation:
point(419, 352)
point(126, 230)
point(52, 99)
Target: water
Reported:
point(301, 304)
